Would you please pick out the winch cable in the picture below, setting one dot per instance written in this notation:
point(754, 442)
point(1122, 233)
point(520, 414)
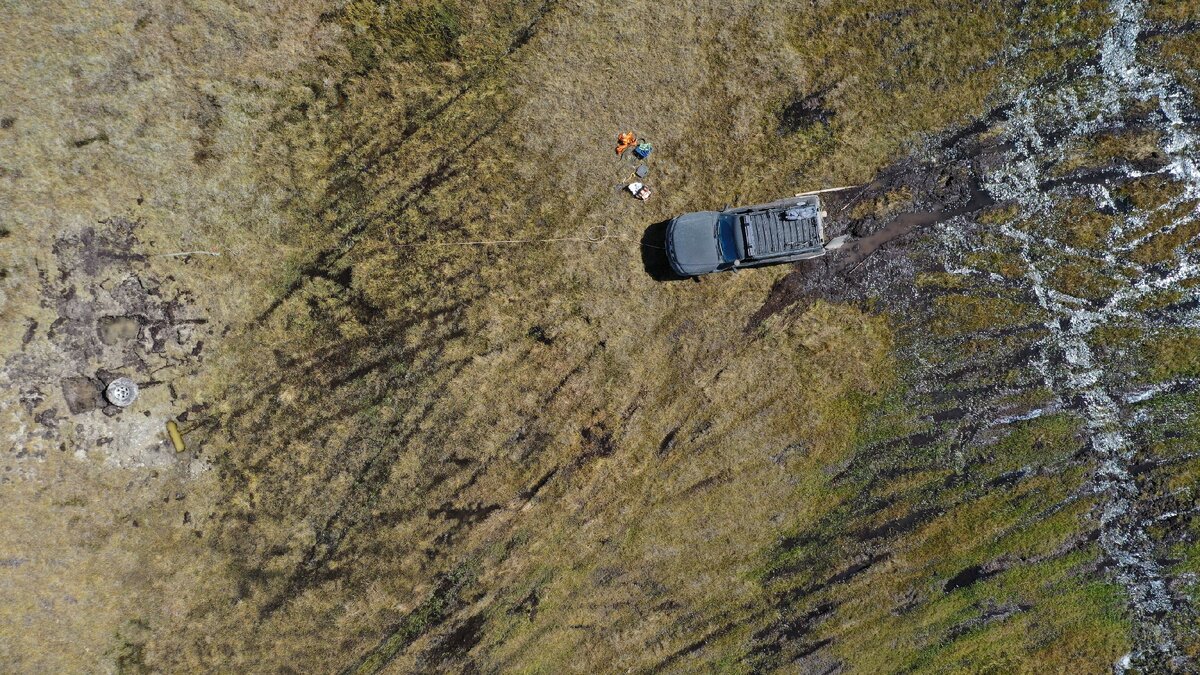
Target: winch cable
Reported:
point(596, 235)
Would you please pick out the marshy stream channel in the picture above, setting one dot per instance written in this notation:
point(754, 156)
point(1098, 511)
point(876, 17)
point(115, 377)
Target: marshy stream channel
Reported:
point(1048, 261)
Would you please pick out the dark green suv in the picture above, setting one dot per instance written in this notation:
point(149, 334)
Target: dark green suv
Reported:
point(715, 241)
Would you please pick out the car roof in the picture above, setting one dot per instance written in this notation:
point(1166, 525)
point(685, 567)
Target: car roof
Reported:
point(781, 229)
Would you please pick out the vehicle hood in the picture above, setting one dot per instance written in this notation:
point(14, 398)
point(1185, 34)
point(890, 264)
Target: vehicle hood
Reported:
point(692, 244)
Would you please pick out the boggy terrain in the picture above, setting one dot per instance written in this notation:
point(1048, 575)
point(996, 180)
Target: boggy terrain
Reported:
point(963, 442)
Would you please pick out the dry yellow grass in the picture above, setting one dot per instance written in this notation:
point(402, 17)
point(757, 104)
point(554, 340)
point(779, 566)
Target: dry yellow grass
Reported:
point(155, 116)
point(534, 456)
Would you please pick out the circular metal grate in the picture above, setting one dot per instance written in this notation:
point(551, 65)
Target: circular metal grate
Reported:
point(121, 391)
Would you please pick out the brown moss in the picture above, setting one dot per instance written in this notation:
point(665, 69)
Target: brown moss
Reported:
point(1173, 11)
point(1149, 192)
point(1082, 279)
point(942, 280)
point(1083, 225)
point(1111, 340)
point(1076, 222)
point(998, 214)
point(1005, 264)
point(1158, 300)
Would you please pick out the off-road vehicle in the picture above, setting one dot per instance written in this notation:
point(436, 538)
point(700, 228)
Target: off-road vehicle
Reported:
point(751, 236)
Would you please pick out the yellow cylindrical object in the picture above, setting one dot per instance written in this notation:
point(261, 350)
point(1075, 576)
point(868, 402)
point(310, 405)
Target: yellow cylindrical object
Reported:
point(176, 437)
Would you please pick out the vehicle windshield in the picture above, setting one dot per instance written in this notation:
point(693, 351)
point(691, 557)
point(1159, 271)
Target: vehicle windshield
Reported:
point(726, 239)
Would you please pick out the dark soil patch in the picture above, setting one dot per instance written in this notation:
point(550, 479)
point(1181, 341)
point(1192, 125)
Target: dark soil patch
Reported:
point(804, 112)
point(968, 577)
point(460, 640)
point(940, 192)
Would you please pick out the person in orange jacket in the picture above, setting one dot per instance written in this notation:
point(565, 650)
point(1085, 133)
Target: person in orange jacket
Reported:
point(625, 141)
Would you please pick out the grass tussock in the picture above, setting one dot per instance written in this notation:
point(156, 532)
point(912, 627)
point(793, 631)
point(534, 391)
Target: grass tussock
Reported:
point(1076, 222)
point(1101, 150)
point(1172, 230)
point(1080, 279)
point(961, 314)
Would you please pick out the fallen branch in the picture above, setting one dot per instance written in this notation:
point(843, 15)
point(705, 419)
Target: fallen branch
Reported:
point(818, 192)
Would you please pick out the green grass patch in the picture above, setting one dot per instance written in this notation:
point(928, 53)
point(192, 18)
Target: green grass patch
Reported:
point(1082, 279)
point(1039, 443)
point(1005, 264)
point(1163, 247)
point(1078, 223)
point(391, 30)
point(1173, 353)
point(1148, 193)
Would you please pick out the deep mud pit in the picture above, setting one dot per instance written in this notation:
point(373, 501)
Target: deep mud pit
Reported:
point(1046, 285)
point(109, 313)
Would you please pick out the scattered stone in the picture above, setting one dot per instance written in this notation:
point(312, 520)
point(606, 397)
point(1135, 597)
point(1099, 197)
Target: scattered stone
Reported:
point(82, 394)
point(48, 418)
point(31, 398)
point(114, 330)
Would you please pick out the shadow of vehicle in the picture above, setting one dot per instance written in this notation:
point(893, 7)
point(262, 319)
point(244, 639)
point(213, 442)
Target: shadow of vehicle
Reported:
point(654, 253)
